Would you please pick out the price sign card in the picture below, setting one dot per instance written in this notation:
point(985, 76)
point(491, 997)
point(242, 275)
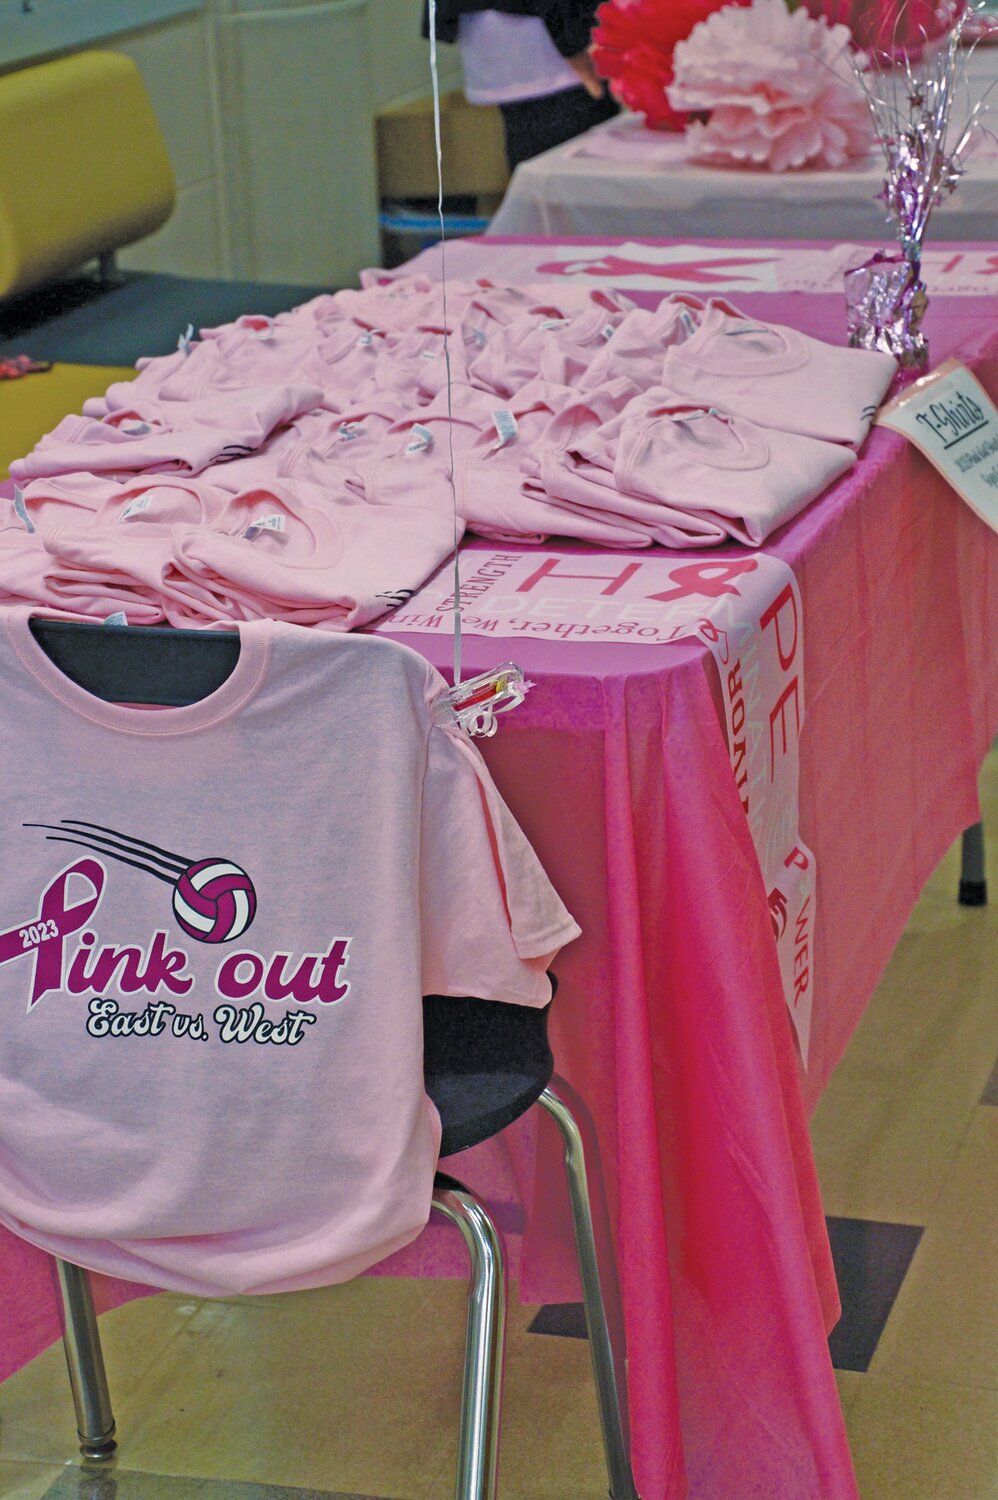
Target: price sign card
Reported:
point(951, 418)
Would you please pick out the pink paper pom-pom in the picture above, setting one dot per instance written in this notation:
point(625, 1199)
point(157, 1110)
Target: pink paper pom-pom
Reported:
point(778, 86)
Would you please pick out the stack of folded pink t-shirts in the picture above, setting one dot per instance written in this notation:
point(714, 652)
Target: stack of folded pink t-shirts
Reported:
point(300, 467)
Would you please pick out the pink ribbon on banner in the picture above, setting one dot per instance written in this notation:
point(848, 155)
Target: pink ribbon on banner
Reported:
point(56, 920)
point(700, 272)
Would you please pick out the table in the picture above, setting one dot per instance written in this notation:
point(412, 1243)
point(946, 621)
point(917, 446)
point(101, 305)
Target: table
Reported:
point(670, 1018)
point(621, 178)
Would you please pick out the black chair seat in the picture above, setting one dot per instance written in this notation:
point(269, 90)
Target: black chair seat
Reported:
point(485, 1063)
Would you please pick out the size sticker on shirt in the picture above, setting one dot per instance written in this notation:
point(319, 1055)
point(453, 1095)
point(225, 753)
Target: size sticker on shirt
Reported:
point(136, 507)
point(21, 510)
point(505, 426)
point(950, 417)
point(265, 523)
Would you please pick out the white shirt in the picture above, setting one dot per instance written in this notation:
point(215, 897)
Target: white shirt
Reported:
point(506, 58)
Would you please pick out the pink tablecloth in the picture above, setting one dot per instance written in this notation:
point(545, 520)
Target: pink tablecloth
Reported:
point(670, 1018)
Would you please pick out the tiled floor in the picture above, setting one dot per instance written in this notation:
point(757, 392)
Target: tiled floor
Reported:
point(907, 1132)
point(352, 1393)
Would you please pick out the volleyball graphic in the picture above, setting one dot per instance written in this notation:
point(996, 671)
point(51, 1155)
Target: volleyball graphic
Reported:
point(213, 899)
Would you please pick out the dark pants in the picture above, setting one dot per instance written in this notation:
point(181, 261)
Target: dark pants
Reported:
point(536, 125)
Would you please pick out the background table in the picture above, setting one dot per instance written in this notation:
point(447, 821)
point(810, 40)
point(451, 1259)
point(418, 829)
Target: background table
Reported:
point(647, 186)
point(670, 1017)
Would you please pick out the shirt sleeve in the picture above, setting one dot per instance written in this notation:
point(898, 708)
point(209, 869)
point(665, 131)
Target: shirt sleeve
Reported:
point(491, 922)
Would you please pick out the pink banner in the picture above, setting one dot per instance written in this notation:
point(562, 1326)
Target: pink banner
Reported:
point(745, 608)
point(643, 266)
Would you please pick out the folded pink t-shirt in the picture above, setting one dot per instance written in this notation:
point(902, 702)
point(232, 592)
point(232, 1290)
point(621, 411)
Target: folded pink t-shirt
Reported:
point(779, 378)
point(286, 553)
point(684, 476)
point(558, 350)
point(179, 436)
point(91, 527)
point(31, 574)
point(332, 424)
point(501, 492)
point(636, 349)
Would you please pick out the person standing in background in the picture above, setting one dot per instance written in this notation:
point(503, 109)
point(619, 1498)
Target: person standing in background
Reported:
point(531, 58)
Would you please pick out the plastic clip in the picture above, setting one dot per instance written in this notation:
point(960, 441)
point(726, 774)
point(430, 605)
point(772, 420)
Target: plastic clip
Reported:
point(473, 704)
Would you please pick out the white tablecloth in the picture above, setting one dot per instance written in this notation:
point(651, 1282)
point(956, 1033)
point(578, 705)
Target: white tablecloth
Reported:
point(623, 179)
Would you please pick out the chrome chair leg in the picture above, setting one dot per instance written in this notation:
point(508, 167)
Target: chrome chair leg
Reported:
point(973, 877)
point(600, 1290)
point(485, 1342)
point(87, 1376)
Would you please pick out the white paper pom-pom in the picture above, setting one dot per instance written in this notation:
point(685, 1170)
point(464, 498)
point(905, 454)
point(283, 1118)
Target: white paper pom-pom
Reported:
point(778, 86)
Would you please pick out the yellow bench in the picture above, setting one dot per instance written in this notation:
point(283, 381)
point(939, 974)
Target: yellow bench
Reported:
point(84, 170)
point(33, 405)
point(85, 167)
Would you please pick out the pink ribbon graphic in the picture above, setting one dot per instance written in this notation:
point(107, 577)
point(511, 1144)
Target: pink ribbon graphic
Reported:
point(706, 272)
point(56, 920)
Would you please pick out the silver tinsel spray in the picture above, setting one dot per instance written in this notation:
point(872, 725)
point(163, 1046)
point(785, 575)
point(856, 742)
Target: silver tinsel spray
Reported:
point(911, 104)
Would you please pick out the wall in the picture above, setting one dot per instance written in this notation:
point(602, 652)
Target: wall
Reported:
point(268, 112)
point(400, 58)
point(37, 28)
point(176, 63)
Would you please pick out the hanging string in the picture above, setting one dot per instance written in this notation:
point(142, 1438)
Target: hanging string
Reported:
point(472, 705)
point(443, 282)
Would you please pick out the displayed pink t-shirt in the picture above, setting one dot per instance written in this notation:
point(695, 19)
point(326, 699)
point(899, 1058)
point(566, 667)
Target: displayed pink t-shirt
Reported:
point(210, 912)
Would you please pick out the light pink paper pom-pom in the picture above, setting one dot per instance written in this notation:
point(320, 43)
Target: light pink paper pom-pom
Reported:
point(779, 88)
